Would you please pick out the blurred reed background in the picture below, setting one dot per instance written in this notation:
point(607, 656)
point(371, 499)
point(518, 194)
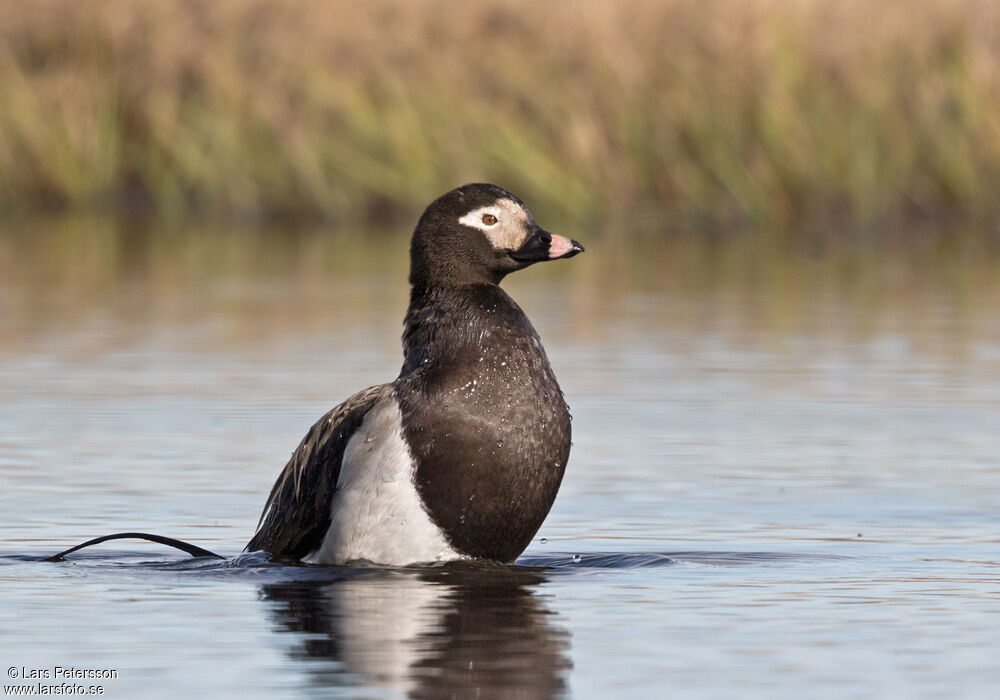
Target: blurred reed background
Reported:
point(852, 116)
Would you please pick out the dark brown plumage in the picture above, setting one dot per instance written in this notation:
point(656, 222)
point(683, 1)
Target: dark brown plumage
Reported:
point(297, 512)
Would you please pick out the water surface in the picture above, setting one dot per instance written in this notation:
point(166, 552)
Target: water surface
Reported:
point(784, 477)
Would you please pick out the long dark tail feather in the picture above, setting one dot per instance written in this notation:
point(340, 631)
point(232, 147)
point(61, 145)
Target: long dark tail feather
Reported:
point(191, 549)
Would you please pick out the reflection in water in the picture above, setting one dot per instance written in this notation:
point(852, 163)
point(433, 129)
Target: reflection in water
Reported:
point(729, 397)
point(444, 632)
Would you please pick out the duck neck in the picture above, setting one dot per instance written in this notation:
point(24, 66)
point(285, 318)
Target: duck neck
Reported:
point(444, 320)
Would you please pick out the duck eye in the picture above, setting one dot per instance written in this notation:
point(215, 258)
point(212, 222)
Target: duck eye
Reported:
point(489, 219)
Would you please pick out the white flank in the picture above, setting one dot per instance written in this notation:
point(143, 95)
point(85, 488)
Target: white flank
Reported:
point(376, 514)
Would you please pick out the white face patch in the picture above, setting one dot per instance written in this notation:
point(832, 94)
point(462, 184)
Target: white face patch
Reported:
point(508, 232)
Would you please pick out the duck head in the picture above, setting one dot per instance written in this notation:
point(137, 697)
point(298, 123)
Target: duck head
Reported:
point(480, 233)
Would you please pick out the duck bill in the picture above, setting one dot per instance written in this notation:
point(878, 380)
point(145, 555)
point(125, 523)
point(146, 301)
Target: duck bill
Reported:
point(542, 245)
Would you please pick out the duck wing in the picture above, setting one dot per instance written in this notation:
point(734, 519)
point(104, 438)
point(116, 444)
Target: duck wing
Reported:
point(296, 516)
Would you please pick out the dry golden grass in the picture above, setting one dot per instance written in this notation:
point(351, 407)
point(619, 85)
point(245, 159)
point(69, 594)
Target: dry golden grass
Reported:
point(762, 112)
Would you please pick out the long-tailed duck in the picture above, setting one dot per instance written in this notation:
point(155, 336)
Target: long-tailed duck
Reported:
point(462, 455)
